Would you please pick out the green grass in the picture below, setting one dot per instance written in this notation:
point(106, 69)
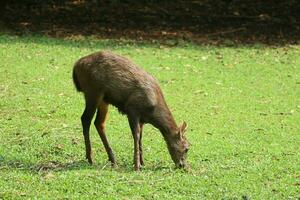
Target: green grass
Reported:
point(242, 105)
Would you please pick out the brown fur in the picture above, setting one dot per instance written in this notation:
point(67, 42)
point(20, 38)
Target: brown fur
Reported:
point(106, 78)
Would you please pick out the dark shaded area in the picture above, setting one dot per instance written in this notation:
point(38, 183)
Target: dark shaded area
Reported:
point(200, 21)
point(44, 167)
point(55, 166)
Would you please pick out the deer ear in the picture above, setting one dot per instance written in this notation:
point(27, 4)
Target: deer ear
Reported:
point(183, 127)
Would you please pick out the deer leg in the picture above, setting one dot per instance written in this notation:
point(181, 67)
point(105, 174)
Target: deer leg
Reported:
point(135, 130)
point(102, 114)
point(140, 144)
point(86, 118)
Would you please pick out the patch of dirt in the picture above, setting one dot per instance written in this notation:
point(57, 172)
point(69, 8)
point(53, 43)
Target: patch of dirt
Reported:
point(200, 21)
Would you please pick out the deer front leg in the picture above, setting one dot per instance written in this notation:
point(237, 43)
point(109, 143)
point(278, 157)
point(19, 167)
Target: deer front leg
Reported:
point(140, 144)
point(135, 130)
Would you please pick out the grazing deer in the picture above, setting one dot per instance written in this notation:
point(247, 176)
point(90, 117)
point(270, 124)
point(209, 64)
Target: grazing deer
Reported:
point(106, 78)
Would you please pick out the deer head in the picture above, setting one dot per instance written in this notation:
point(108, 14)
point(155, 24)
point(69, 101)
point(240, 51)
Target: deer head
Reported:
point(179, 146)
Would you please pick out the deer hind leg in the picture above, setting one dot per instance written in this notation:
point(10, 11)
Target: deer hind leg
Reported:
point(86, 118)
point(140, 144)
point(102, 114)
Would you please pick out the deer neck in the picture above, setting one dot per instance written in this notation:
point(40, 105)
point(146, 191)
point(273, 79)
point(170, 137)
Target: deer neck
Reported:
point(165, 122)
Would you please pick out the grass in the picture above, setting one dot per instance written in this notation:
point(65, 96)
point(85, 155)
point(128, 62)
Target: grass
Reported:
point(241, 103)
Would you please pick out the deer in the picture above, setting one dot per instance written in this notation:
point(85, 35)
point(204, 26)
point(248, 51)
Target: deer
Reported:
point(106, 78)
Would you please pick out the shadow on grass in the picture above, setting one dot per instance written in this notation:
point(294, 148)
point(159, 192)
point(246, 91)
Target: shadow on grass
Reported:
point(55, 166)
point(46, 166)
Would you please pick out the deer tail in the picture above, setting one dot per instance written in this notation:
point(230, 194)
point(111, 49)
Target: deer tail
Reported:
point(76, 82)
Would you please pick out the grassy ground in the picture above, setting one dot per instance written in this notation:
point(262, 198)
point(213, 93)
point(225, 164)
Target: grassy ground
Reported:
point(242, 105)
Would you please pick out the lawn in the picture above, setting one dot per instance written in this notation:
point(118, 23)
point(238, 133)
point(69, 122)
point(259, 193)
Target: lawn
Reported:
point(242, 105)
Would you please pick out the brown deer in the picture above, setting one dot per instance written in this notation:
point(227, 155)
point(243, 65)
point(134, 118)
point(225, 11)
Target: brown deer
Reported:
point(106, 78)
